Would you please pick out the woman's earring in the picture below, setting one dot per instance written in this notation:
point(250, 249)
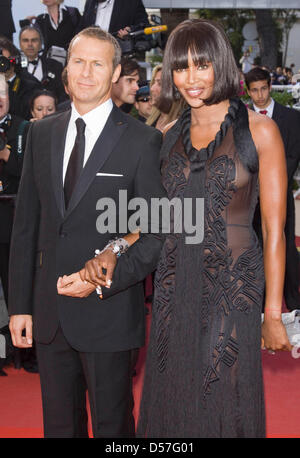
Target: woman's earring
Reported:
point(176, 93)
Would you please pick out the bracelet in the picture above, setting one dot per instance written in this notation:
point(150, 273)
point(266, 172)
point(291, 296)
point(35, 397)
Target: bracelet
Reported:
point(119, 246)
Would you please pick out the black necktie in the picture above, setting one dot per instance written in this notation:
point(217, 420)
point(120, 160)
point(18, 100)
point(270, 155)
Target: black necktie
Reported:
point(75, 164)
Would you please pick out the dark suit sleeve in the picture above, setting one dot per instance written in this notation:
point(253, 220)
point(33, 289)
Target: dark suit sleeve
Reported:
point(142, 257)
point(24, 236)
point(293, 147)
point(140, 16)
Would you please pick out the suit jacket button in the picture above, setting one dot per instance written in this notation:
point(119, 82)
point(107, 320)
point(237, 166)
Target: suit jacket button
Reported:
point(63, 234)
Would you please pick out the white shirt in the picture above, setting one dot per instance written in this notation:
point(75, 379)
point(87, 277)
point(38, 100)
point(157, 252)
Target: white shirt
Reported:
point(95, 121)
point(60, 16)
point(269, 108)
point(36, 70)
point(103, 16)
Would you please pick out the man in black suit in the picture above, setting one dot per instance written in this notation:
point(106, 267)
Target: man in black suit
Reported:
point(258, 83)
point(13, 131)
point(7, 26)
point(47, 72)
point(73, 159)
point(21, 83)
point(114, 16)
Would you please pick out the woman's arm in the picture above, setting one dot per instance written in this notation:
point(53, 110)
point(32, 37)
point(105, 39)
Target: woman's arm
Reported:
point(84, 282)
point(272, 187)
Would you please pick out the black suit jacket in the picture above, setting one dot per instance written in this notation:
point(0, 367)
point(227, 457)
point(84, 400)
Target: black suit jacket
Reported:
point(52, 81)
point(7, 26)
point(288, 121)
point(10, 173)
point(20, 91)
point(125, 13)
point(48, 241)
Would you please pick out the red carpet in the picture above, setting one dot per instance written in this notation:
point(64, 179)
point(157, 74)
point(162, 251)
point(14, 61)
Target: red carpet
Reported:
point(21, 410)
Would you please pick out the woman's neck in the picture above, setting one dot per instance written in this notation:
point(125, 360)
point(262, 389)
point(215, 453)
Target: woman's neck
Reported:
point(209, 114)
point(53, 11)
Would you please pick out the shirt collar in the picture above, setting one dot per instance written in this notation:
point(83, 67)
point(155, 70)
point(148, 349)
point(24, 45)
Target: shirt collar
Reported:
point(60, 9)
point(96, 118)
point(269, 108)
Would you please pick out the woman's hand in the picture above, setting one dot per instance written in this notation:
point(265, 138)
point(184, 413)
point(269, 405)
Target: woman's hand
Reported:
point(94, 273)
point(72, 285)
point(274, 336)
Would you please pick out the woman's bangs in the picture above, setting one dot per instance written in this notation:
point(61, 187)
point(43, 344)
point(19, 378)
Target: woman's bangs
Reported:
point(184, 42)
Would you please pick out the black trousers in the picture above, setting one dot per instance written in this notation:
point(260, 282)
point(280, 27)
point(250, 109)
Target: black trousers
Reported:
point(65, 376)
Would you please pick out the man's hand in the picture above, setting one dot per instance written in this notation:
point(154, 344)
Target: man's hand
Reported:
point(93, 271)
point(123, 32)
point(17, 324)
point(72, 285)
point(4, 154)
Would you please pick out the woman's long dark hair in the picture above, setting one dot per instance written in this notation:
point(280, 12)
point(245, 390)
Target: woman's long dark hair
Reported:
point(207, 42)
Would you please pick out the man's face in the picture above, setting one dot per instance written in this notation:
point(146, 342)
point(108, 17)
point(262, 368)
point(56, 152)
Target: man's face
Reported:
point(125, 89)
point(144, 106)
point(30, 43)
point(259, 91)
point(90, 72)
point(4, 101)
point(155, 89)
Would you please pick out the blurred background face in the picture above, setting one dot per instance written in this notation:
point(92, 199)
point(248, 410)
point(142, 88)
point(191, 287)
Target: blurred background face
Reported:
point(156, 88)
point(259, 91)
point(144, 106)
point(125, 89)
point(4, 99)
point(43, 106)
point(30, 43)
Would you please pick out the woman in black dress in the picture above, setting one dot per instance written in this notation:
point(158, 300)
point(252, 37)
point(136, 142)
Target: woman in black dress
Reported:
point(203, 373)
point(58, 25)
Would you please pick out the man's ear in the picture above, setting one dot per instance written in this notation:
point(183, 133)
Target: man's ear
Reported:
point(116, 73)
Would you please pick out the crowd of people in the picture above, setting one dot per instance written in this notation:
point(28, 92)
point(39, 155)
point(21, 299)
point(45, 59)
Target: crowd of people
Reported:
point(87, 116)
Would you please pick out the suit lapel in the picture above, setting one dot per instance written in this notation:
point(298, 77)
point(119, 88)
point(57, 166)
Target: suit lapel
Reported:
point(58, 139)
point(107, 140)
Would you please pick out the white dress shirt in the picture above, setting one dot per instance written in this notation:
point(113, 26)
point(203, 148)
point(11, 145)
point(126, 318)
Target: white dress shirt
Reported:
point(95, 121)
point(269, 108)
point(104, 12)
point(36, 70)
point(60, 16)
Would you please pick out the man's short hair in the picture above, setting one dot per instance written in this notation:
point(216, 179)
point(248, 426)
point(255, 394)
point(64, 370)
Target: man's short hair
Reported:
point(257, 74)
point(31, 27)
point(101, 35)
point(128, 66)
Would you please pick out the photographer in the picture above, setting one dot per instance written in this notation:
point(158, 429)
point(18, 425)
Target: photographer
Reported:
point(13, 132)
point(20, 82)
point(47, 72)
point(113, 16)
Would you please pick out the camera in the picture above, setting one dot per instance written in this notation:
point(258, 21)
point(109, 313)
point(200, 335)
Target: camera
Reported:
point(18, 61)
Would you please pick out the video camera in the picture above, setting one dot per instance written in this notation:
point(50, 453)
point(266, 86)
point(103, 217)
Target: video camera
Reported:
point(140, 38)
point(18, 61)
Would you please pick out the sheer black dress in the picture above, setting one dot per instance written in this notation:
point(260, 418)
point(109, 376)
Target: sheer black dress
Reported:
point(203, 374)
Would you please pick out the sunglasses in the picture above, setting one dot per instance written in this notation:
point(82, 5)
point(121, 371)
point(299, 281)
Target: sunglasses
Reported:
point(144, 99)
